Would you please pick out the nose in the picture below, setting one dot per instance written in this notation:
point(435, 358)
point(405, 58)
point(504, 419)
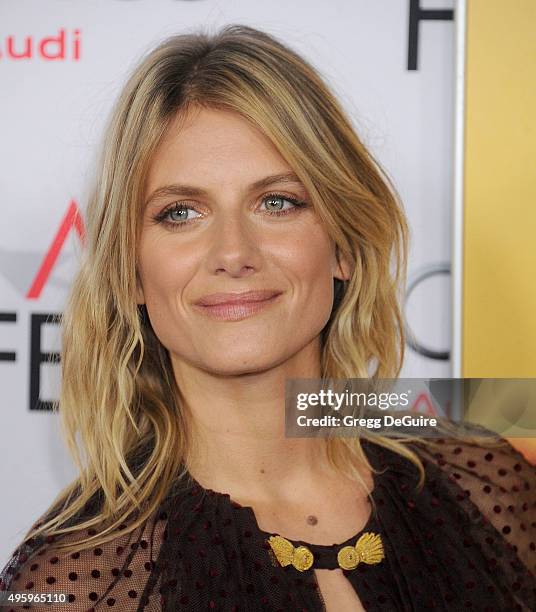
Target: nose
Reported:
point(234, 248)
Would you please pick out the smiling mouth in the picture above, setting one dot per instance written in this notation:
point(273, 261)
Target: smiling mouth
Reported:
point(237, 309)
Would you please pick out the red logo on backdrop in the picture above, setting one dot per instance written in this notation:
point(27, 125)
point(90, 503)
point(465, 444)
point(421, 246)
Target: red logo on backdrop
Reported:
point(64, 46)
point(71, 219)
point(424, 405)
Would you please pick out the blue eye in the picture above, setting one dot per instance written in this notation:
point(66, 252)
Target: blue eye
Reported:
point(277, 200)
point(176, 216)
point(181, 212)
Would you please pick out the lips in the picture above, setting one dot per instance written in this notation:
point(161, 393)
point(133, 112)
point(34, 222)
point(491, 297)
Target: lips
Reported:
point(237, 306)
point(246, 297)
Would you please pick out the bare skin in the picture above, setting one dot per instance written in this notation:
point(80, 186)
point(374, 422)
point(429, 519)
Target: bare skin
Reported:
point(232, 372)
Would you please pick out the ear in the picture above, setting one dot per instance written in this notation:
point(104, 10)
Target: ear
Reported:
point(343, 269)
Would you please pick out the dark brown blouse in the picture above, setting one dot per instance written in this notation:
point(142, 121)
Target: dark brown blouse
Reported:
point(467, 541)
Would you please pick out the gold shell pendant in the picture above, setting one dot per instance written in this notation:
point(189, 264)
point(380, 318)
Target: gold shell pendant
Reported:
point(301, 557)
point(368, 549)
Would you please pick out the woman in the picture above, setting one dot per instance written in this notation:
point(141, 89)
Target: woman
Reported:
point(240, 234)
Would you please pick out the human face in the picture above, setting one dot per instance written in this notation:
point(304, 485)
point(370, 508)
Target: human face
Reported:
point(228, 239)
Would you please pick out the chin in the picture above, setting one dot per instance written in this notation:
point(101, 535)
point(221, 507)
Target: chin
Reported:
point(240, 370)
point(235, 364)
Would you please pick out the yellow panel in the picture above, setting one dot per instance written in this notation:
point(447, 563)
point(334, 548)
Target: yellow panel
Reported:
point(499, 279)
point(499, 306)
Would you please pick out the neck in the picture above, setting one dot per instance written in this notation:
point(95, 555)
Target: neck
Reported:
point(237, 433)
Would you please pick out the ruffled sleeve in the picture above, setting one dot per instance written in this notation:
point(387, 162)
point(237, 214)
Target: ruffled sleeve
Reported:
point(496, 489)
point(113, 575)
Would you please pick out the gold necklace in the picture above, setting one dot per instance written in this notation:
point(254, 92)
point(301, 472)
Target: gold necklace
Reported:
point(368, 549)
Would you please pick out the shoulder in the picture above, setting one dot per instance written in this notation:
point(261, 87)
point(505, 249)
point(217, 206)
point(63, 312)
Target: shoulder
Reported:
point(495, 461)
point(493, 482)
point(116, 572)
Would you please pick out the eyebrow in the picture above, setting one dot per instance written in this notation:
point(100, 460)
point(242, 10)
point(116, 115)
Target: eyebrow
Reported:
point(178, 189)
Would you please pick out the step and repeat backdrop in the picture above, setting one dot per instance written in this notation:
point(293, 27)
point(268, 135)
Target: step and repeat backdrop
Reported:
point(63, 63)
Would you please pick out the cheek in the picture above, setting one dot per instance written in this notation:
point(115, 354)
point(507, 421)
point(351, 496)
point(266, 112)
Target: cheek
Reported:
point(310, 255)
point(162, 273)
point(164, 276)
point(313, 280)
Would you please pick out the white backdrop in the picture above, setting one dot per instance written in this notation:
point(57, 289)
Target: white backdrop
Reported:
point(53, 105)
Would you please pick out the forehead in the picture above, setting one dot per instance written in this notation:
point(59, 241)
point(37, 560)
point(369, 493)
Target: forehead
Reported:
point(209, 145)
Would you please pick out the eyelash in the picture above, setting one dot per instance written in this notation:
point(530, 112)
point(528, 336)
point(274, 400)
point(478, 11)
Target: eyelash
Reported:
point(162, 217)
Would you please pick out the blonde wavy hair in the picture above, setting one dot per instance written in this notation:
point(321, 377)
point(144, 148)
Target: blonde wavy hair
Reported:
point(118, 392)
